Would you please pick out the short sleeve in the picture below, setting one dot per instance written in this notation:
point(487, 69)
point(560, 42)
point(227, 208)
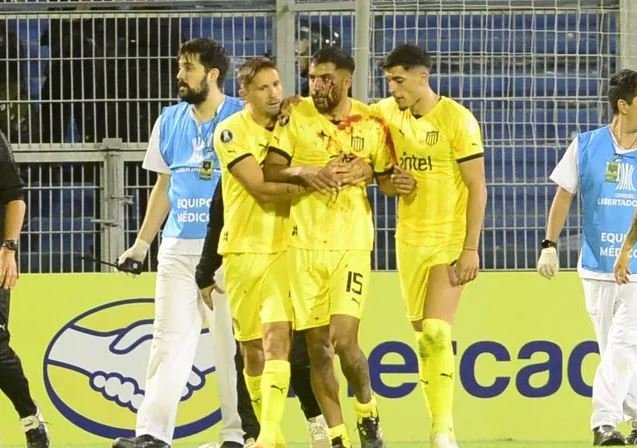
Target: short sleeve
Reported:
point(467, 143)
point(382, 162)
point(566, 173)
point(284, 136)
point(153, 160)
point(230, 145)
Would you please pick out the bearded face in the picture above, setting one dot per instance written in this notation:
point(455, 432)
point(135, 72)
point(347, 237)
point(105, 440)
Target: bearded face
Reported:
point(328, 86)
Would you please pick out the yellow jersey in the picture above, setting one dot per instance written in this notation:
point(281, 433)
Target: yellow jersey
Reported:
point(430, 148)
point(307, 138)
point(249, 227)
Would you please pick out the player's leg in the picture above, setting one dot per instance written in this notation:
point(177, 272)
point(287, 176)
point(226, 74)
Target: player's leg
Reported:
point(617, 366)
point(309, 295)
point(176, 329)
point(301, 382)
point(224, 345)
point(249, 422)
point(348, 289)
point(431, 302)
point(14, 384)
point(435, 352)
point(276, 315)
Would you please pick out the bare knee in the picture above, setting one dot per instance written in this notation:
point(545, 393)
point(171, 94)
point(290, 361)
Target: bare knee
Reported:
point(276, 341)
point(320, 350)
point(253, 357)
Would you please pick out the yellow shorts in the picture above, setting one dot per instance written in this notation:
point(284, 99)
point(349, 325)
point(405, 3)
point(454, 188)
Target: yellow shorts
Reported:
point(258, 292)
point(414, 263)
point(327, 282)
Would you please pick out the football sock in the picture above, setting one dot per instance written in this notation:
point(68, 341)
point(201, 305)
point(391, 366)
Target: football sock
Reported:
point(340, 431)
point(437, 372)
point(274, 391)
point(253, 384)
point(365, 410)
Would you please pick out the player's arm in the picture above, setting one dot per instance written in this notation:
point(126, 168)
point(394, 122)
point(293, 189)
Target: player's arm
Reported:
point(276, 168)
point(12, 199)
point(210, 260)
point(158, 204)
point(566, 176)
point(472, 173)
point(156, 210)
point(247, 171)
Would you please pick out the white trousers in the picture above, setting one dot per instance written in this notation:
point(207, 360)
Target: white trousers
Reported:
point(179, 316)
point(613, 310)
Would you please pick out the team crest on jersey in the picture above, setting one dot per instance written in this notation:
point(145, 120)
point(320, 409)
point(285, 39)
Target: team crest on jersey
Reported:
point(358, 143)
point(284, 119)
point(431, 138)
point(226, 136)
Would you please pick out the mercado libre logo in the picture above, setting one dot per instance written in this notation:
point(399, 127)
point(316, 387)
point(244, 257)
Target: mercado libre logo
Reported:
point(95, 369)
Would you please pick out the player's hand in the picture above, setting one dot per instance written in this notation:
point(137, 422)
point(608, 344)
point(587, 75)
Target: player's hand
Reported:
point(8, 269)
point(206, 294)
point(466, 268)
point(324, 180)
point(404, 183)
point(136, 252)
point(548, 265)
point(287, 103)
point(355, 171)
point(622, 274)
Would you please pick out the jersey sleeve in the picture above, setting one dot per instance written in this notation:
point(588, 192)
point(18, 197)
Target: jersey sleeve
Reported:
point(153, 160)
point(210, 260)
point(467, 142)
point(230, 145)
point(284, 135)
point(566, 173)
point(383, 157)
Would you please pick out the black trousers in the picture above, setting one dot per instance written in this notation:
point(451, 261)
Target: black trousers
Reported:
point(12, 380)
point(299, 380)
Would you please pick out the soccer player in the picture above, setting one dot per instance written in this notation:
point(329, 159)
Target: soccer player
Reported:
point(442, 195)
point(600, 165)
point(180, 150)
point(253, 245)
point(331, 232)
point(13, 382)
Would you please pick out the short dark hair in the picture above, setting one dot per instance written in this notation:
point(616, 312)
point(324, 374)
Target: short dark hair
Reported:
point(406, 56)
point(250, 69)
point(622, 86)
point(211, 55)
point(336, 55)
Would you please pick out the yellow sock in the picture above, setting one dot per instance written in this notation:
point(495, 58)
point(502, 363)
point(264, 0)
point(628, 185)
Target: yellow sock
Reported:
point(365, 410)
point(253, 384)
point(437, 372)
point(274, 390)
point(340, 431)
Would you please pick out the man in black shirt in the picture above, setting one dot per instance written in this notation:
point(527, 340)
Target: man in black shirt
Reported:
point(12, 380)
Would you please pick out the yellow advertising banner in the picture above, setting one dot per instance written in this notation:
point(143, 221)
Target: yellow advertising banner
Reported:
point(525, 358)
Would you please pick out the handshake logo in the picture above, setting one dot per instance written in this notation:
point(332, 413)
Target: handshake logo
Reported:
point(95, 370)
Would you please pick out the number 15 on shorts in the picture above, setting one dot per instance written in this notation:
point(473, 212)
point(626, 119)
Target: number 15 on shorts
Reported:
point(354, 282)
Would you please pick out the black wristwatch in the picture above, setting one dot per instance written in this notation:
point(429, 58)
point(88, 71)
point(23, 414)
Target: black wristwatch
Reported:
point(547, 243)
point(10, 244)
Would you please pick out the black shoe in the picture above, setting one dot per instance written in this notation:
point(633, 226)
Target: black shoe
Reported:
point(231, 444)
point(35, 432)
point(631, 439)
point(607, 435)
point(370, 433)
point(337, 442)
point(143, 441)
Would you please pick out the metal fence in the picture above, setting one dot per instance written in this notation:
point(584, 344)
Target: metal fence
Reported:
point(81, 84)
